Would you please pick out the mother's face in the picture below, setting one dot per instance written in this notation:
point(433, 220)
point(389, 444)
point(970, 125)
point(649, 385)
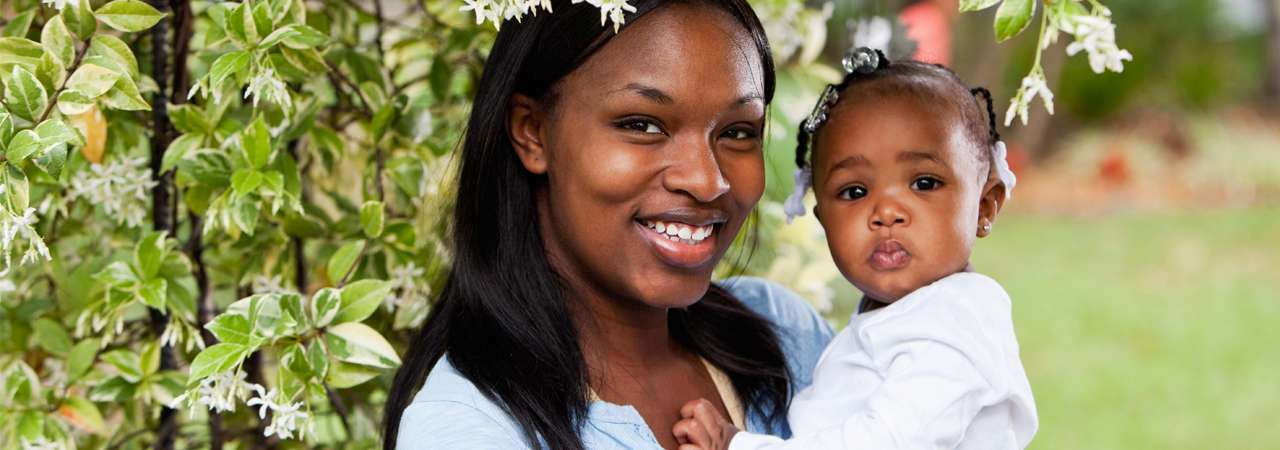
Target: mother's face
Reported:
point(652, 155)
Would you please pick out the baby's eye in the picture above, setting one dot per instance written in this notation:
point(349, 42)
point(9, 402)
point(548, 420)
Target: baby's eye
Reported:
point(853, 193)
point(926, 184)
point(642, 125)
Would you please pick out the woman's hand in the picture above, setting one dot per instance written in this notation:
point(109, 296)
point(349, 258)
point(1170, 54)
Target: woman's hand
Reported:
point(702, 427)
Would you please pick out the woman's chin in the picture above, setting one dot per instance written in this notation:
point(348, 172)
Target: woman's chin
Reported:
point(673, 291)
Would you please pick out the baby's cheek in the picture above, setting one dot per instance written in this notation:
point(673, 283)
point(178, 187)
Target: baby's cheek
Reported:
point(844, 245)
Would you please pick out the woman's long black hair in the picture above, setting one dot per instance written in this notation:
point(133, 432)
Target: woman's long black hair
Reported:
point(502, 317)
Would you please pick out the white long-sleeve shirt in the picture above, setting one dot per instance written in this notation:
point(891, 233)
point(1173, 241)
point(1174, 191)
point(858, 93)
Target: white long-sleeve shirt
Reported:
point(937, 369)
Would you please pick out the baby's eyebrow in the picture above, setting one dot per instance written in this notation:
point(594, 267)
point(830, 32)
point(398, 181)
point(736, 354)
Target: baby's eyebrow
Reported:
point(911, 156)
point(850, 162)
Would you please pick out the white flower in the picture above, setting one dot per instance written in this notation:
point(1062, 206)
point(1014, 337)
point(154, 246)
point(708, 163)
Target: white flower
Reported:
point(120, 187)
point(404, 282)
point(15, 227)
point(1096, 35)
point(875, 32)
point(611, 10)
point(1033, 85)
point(220, 392)
point(59, 4)
point(263, 284)
point(284, 421)
point(267, 85)
point(41, 444)
point(497, 11)
point(266, 400)
point(796, 33)
point(284, 418)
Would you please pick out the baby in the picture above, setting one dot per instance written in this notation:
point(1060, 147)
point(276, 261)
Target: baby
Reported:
point(908, 171)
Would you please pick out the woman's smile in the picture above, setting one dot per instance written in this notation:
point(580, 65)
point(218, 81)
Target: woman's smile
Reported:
point(683, 238)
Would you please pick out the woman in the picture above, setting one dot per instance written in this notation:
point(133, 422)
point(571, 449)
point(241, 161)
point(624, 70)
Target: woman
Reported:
point(603, 177)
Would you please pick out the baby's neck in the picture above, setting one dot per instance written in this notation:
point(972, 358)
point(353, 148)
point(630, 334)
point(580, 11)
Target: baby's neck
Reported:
point(870, 304)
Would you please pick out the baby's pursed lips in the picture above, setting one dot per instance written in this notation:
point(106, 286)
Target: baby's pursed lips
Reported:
point(890, 246)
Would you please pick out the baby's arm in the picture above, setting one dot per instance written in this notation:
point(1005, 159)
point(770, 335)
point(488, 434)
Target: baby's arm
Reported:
point(702, 427)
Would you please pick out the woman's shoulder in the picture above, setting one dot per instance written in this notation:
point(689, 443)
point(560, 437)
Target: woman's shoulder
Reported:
point(804, 333)
point(780, 305)
point(450, 412)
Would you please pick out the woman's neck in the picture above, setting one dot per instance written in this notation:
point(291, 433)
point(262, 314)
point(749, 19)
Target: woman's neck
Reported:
point(616, 334)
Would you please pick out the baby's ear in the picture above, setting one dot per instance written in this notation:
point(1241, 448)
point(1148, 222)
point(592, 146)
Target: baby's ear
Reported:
point(994, 195)
point(528, 132)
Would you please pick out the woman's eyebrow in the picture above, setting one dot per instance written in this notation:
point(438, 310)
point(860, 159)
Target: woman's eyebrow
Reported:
point(649, 92)
point(747, 99)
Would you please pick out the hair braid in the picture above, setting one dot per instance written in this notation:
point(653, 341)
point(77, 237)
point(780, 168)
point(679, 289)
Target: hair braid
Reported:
point(991, 113)
point(804, 138)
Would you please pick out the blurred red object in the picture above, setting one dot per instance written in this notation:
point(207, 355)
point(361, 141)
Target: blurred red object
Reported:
point(929, 25)
point(1113, 169)
point(1018, 157)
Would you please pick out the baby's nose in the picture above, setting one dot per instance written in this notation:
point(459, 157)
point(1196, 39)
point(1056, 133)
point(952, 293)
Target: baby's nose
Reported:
point(888, 213)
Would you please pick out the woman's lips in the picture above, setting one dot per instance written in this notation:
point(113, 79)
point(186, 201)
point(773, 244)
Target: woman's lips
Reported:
point(679, 244)
point(889, 255)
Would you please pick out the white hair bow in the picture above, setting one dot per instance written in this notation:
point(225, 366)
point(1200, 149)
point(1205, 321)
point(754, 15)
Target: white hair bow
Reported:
point(794, 206)
point(999, 157)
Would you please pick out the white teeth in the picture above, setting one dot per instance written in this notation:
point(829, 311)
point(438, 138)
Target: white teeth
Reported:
point(681, 232)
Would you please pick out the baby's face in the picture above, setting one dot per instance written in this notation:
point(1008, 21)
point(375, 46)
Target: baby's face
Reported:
point(898, 187)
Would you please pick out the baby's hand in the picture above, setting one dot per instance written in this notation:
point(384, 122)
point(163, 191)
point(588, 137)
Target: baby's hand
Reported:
point(702, 427)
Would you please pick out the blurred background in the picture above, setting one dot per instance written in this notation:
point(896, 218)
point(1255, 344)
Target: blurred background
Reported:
point(1142, 247)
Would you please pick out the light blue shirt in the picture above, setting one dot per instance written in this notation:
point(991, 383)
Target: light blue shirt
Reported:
point(450, 413)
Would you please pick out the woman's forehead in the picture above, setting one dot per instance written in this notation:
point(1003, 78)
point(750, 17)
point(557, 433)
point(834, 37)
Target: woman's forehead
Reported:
point(686, 52)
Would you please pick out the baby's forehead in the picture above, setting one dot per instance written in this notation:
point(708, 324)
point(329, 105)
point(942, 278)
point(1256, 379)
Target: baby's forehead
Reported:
point(906, 108)
point(883, 130)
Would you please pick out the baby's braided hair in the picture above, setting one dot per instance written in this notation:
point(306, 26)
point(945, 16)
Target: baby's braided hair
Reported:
point(931, 82)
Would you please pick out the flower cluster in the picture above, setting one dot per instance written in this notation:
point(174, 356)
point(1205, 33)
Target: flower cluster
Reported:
point(221, 393)
point(284, 417)
point(120, 187)
point(41, 444)
point(269, 86)
point(1094, 33)
point(796, 33)
point(498, 11)
point(1033, 85)
point(16, 227)
point(270, 284)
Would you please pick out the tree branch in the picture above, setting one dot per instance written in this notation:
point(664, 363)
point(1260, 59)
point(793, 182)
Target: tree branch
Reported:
point(53, 99)
point(162, 217)
point(338, 407)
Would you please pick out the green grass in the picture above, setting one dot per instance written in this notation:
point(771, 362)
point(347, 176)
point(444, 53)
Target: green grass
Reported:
point(1151, 331)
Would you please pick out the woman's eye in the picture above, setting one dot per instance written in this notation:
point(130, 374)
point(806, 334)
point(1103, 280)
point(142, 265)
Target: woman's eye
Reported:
point(853, 193)
point(740, 134)
point(641, 125)
point(926, 184)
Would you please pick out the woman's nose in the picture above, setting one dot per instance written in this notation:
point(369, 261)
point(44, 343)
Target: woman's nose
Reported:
point(888, 213)
point(695, 171)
